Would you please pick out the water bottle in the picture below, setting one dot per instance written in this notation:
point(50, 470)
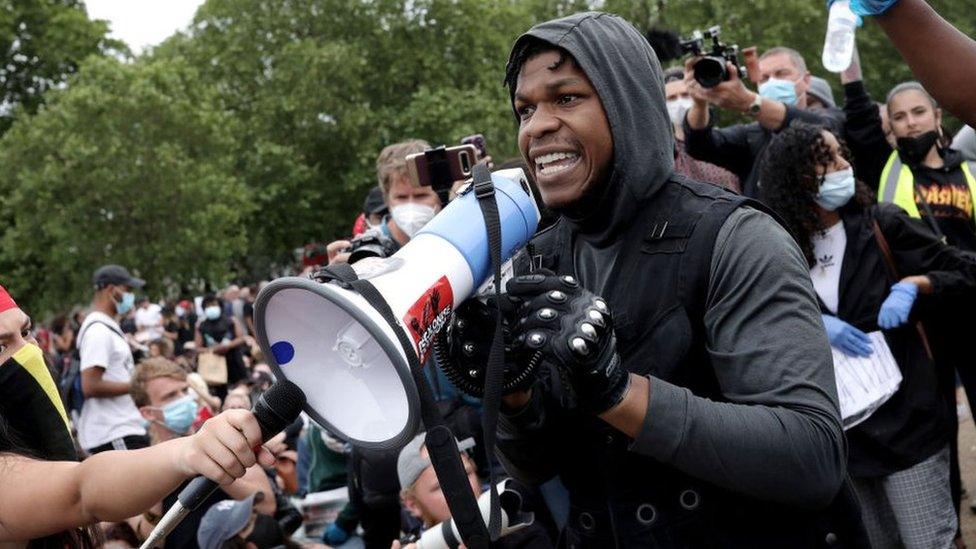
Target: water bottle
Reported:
point(838, 47)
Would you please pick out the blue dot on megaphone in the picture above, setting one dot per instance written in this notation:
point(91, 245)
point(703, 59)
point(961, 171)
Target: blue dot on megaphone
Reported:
point(283, 352)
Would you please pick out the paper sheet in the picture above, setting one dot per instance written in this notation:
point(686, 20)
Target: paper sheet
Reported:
point(864, 384)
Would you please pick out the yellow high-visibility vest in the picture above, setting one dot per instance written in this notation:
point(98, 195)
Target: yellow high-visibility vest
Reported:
point(898, 184)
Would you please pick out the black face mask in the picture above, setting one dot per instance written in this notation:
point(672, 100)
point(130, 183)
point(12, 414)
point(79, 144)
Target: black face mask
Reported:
point(913, 150)
point(267, 533)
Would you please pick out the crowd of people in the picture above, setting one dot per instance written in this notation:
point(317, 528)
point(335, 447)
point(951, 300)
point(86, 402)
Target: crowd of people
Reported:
point(698, 295)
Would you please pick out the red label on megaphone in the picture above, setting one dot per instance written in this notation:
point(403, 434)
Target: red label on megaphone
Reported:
point(428, 314)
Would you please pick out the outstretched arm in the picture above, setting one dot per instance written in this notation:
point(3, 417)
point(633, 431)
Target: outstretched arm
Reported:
point(112, 486)
point(943, 58)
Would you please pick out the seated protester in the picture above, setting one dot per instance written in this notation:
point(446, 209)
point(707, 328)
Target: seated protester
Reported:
point(422, 496)
point(77, 495)
point(679, 101)
point(160, 391)
point(220, 333)
point(899, 456)
point(29, 399)
point(239, 525)
point(782, 98)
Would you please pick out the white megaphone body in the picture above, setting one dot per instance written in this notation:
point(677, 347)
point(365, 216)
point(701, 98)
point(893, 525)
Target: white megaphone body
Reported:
point(346, 358)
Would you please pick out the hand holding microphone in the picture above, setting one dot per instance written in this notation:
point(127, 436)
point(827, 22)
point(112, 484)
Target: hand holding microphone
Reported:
point(223, 448)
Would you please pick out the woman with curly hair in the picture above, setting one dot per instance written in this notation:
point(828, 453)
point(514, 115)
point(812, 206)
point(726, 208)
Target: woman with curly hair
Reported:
point(899, 456)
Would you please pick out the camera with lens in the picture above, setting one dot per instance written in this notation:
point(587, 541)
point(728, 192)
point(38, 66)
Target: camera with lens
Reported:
point(710, 70)
point(372, 243)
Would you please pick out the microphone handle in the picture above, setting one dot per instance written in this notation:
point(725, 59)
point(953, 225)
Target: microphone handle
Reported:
point(196, 492)
point(201, 488)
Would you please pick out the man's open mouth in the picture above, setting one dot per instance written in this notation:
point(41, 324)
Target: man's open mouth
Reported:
point(553, 163)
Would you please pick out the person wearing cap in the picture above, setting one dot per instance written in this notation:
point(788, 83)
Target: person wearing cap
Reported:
point(784, 96)
point(374, 210)
point(819, 94)
point(109, 419)
point(237, 524)
point(422, 497)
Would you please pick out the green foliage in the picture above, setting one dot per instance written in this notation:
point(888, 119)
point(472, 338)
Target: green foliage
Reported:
point(133, 164)
point(44, 42)
point(255, 131)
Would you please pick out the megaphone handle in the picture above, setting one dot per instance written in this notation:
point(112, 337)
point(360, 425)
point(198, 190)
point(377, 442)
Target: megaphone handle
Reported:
point(445, 459)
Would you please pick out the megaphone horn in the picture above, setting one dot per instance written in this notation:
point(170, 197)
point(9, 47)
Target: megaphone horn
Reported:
point(341, 352)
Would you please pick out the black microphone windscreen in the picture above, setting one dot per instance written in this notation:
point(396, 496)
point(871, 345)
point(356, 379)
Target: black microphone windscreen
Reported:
point(278, 407)
point(666, 43)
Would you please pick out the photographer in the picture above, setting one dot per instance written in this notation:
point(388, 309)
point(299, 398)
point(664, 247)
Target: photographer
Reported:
point(410, 206)
point(424, 500)
point(782, 98)
point(373, 485)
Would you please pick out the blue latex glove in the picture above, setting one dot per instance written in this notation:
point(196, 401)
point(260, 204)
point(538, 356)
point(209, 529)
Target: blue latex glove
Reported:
point(334, 535)
point(864, 8)
point(895, 309)
point(847, 338)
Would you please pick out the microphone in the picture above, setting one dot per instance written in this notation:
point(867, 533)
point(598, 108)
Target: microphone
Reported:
point(275, 409)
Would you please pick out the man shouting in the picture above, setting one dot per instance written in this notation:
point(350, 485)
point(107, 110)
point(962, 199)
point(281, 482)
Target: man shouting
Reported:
point(701, 409)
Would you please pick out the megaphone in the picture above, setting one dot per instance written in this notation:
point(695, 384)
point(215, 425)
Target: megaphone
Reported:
point(346, 358)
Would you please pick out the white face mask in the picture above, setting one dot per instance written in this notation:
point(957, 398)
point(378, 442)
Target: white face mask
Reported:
point(411, 217)
point(677, 108)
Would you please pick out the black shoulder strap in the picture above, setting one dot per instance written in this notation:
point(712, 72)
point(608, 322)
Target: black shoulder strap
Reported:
point(440, 441)
point(696, 265)
point(484, 190)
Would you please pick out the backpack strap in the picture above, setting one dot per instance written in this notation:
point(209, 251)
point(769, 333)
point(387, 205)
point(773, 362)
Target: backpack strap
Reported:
point(697, 259)
point(113, 329)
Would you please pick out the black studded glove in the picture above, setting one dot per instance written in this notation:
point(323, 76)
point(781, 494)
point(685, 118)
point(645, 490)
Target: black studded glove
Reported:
point(463, 348)
point(574, 329)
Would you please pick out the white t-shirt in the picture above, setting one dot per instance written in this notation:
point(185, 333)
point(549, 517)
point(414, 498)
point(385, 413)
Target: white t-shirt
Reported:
point(106, 419)
point(828, 249)
point(149, 323)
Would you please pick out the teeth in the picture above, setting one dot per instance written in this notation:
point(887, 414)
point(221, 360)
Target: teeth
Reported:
point(543, 160)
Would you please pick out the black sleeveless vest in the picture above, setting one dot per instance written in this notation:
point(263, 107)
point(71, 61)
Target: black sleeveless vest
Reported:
point(619, 498)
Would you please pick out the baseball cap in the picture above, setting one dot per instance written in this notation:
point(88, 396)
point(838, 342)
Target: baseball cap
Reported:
point(224, 520)
point(820, 89)
point(116, 274)
point(374, 202)
point(411, 463)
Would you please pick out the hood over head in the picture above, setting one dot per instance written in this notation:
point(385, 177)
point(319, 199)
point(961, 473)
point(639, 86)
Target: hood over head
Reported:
point(626, 74)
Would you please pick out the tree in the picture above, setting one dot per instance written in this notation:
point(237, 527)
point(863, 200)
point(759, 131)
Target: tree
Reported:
point(320, 86)
point(132, 164)
point(44, 42)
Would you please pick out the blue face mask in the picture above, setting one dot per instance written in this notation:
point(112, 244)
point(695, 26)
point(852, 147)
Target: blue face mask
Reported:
point(126, 304)
point(212, 312)
point(780, 90)
point(836, 190)
point(178, 415)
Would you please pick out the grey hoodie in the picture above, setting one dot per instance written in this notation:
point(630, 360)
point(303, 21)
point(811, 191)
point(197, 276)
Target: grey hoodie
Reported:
point(627, 76)
point(778, 438)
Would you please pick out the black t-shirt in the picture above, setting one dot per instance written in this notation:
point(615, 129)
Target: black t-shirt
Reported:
point(216, 331)
point(185, 533)
point(951, 202)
